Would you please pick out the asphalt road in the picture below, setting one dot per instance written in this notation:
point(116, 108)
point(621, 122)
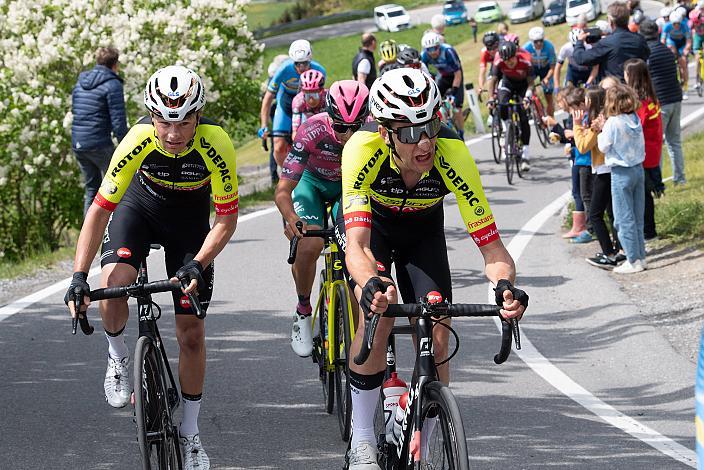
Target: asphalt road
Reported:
point(262, 405)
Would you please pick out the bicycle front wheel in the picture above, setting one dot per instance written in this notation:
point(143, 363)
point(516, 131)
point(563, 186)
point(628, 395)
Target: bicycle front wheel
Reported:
point(156, 434)
point(511, 148)
point(496, 137)
point(343, 342)
point(327, 374)
point(540, 128)
point(447, 445)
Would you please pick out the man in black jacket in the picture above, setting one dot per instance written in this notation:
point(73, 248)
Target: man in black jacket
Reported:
point(663, 71)
point(98, 107)
point(612, 51)
point(363, 64)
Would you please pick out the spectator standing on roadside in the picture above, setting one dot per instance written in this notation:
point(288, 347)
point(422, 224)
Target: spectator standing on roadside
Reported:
point(622, 142)
point(636, 73)
point(612, 51)
point(437, 25)
point(98, 107)
point(473, 25)
point(663, 71)
point(364, 64)
point(501, 30)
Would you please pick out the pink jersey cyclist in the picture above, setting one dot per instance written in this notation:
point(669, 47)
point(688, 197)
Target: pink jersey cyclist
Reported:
point(302, 109)
point(315, 149)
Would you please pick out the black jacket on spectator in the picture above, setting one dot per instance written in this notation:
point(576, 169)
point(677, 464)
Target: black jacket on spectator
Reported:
point(612, 51)
point(369, 55)
point(663, 71)
point(98, 108)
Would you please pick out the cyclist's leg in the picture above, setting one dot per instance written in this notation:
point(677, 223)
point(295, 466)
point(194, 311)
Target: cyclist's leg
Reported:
point(503, 95)
point(281, 128)
point(459, 102)
point(525, 124)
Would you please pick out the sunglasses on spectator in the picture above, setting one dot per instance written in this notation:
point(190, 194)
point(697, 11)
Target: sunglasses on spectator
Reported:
point(413, 134)
point(344, 128)
point(305, 64)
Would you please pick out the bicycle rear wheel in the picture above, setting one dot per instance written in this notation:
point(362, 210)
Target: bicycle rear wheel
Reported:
point(156, 434)
point(327, 375)
point(540, 128)
point(343, 342)
point(700, 79)
point(510, 153)
point(447, 445)
point(496, 137)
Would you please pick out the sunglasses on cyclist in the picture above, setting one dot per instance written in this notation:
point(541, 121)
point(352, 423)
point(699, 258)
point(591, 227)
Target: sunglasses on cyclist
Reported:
point(433, 49)
point(344, 128)
point(413, 134)
point(299, 65)
point(311, 96)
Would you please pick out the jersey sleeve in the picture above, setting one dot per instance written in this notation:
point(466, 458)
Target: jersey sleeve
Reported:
point(453, 59)
point(552, 58)
point(220, 160)
point(297, 157)
point(276, 80)
point(461, 176)
point(562, 55)
point(125, 162)
point(361, 159)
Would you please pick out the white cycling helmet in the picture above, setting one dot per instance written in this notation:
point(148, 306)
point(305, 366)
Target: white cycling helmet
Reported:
point(682, 10)
point(665, 12)
point(573, 35)
point(404, 95)
point(676, 17)
point(300, 51)
point(536, 34)
point(430, 39)
point(174, 92)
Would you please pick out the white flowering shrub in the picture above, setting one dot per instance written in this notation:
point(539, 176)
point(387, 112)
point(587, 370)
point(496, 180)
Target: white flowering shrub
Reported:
point(44, 44)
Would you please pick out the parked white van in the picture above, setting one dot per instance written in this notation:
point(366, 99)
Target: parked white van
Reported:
point(391, 17)
point(591, 9)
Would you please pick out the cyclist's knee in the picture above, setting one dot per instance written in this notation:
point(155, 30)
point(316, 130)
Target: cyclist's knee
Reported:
point(190, 332)
point(281, 149)
point(309, 248)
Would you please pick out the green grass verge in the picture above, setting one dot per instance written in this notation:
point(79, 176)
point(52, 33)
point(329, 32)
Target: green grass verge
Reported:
point(679, 214)
point(258, 198)
point(263, 14)
point(38, 261)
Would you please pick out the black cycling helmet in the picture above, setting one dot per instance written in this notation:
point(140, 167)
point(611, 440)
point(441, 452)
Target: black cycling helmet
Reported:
point(389, 66)
point(490, 39)
point(408, 56)
point(507, 49)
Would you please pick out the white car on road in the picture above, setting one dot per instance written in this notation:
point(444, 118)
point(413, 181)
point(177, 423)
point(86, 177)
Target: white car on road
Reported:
point(591, 9)
point(391, 17)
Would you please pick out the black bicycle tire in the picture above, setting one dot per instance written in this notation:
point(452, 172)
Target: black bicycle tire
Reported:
point(343, 338)
point(496, 137)
point(327, 378)
point(700, 83)
point(510, 151)
point(436, 395)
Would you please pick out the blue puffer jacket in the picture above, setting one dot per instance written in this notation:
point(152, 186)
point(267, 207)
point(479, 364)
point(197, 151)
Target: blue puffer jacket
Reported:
point(98, 108)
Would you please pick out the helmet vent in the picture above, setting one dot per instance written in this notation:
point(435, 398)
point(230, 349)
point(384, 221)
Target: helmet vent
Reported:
point(174, 83)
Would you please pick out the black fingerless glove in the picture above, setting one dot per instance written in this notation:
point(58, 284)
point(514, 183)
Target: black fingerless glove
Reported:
point(79, 286)
point(189, 271)
point(372, 286)
point(518, 294)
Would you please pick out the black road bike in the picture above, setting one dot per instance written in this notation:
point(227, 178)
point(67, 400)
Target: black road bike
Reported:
point(428, 398)
point(156, 396)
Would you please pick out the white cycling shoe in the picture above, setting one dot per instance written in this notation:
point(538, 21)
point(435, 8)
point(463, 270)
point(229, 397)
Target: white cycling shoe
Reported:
point(117, 382)
point(302, 335)
point(194, 457)
point(363, 457)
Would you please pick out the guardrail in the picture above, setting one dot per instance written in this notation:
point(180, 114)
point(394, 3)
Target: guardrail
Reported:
point(312, 21)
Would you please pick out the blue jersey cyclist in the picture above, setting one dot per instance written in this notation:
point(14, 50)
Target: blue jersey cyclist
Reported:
point(677, 36)
point(543, 58)
point(284, 86)
point(450, 79)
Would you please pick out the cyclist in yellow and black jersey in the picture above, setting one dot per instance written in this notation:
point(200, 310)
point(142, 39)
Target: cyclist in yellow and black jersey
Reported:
point(157, 190)
point(395, 174)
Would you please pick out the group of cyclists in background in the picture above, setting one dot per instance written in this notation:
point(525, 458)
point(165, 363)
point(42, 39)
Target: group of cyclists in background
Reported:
point(369, 155)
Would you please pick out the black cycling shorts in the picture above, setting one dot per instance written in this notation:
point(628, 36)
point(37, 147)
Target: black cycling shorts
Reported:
point(415, 244)
point(445, 83)
point(180, 227)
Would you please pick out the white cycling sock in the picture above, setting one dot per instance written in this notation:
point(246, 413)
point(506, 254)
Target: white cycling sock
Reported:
point(363, 410)
point(191, 409)
point(116, 346)
point(426, 434)
point(526, 153)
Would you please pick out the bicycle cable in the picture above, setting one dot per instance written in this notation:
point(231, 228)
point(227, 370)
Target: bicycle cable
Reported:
point(454, 333)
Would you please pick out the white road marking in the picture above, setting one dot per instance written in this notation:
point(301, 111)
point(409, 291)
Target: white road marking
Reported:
point(563, 383)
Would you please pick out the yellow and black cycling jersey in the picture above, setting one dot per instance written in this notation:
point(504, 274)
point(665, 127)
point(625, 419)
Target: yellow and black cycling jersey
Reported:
point(207, 163)
point(372, 185)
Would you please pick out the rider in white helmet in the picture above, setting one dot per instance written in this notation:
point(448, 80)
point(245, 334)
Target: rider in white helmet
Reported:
point(283, 87)
point(677, 36)
point(577, 75)
point(544, 59)
point(399, 168)
point(165, 172)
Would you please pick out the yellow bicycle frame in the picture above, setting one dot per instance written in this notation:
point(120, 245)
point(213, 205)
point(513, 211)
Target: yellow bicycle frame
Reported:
point(329, 291)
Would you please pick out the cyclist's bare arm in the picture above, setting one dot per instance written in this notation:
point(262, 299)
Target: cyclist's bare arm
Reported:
point(222, 230)
point(498, 264)
point(362, 77)
point(593, 75)
point(457, 79)
point(266, 106)
point(284, 202)
point(361, 265)
point(558, 71)
point(482, 75)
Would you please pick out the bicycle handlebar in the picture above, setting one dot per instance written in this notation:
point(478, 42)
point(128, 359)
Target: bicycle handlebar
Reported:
point(293, 246)
point(426, 309)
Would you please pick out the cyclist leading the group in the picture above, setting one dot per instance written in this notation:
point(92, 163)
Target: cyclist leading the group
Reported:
point(395, 174)
point(544, 58)
point(310, 100)
point(677, 36)
point(450, 78)
point(512, 75)
point(283, 87)
point(310, 180)
point(157, 190)
point(696, 18)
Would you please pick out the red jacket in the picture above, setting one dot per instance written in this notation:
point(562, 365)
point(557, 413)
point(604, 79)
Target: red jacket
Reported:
point(651, 120)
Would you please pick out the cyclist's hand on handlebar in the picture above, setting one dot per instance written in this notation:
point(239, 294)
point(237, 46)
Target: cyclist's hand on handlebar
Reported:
point(263, 132)
point(192, 273)
point(376, 295)
point(292, 231)
point(79, 287)
point(513, 301)
point(491, 103)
